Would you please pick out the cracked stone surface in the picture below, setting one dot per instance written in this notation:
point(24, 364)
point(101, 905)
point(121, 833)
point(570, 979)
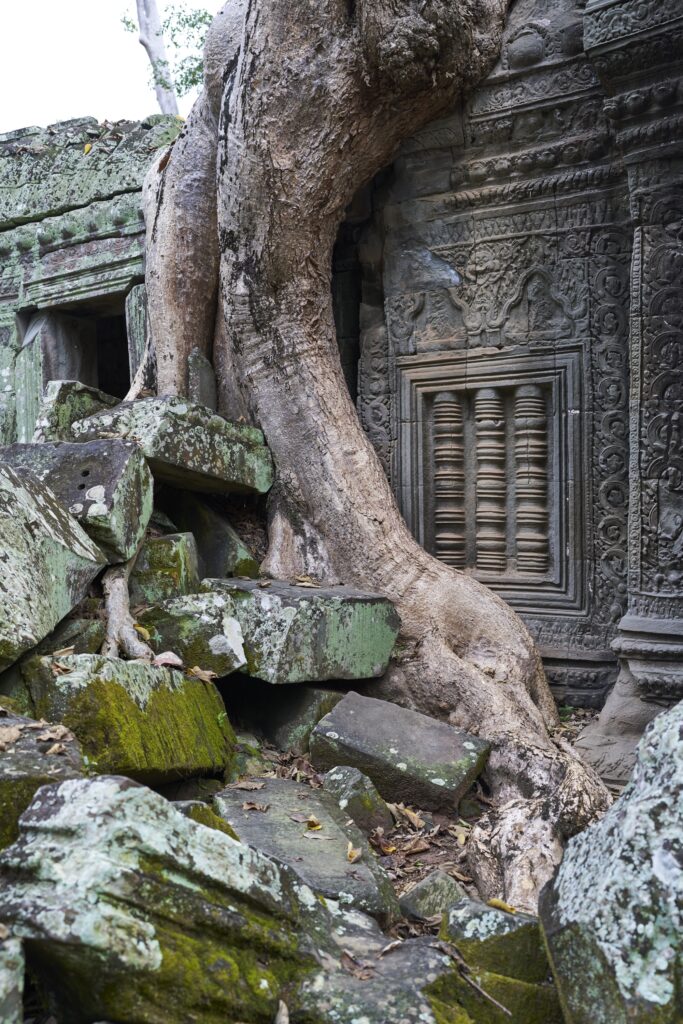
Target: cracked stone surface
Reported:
point(166, 567)
point(64, 402)
point(202, 629)
point(48, 563)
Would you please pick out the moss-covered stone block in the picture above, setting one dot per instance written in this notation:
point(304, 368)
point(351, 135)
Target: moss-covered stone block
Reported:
point(301, 634)
point(166, 567)
point(285, 715)
point(358, 799)
point(202, 629)
point(48, 563)
point(64, 402)
point(305, 829)
point(32, 754)
point(187, 445)
point(494, 940)
point(222, 551)
point(518, 1002)
point(431, 896)
point(151, 724)
point(105, 485)
point(200, 812)
point(613, 915)
point(407, 755)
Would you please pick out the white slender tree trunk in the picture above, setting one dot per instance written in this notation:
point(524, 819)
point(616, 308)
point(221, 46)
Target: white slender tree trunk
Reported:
point(313, 99)
point(152, 39)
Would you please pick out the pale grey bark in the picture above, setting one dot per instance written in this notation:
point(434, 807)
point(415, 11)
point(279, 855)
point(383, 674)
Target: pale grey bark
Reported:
point(152, 39)
point(316, 98)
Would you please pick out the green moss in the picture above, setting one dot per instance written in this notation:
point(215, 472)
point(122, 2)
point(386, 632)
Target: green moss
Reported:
point(527, 1004)
point(445, 1014)
point(179, 732)
point(15, 796)
point(519, 953)
point(203, 815)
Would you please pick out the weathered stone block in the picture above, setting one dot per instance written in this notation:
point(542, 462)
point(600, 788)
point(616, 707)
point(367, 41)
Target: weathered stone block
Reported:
point(431, 896)
point(494, 940)
point(12, 972)
point(32, 754)
point(64, 402)
point(300, 634)
point(187, 445)
point(49, 563)
point(152, 724)
point(166, 567)
point(358, 799)
point(285, 715)
point(221, 550)
point(305, 829)
point(202, 629)
point(613, 915)
point(407, 755)
point(106, 486)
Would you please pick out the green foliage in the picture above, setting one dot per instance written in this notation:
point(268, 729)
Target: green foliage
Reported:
point(184, 33)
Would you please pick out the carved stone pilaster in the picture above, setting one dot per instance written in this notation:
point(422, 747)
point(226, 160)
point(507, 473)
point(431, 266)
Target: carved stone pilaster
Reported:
point(531, 467)
point(491, 483)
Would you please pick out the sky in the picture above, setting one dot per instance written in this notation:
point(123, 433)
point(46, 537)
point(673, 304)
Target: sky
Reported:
point(71, 58)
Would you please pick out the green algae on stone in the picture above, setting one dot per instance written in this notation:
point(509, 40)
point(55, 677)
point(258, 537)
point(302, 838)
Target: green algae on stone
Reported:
point(200, 812)
point(358, 799)
point(187, 445)
point(222, 551)
point(299, 634)
point(166, 567)
point(64, 402)
point(202, 629)
point(408, 756)
point(105, 485)
point(525, 1003)
point(150, 724)
point(613, 914)
point(49, 563)
point(32, 754)
point(319, 857)
point(493, 940)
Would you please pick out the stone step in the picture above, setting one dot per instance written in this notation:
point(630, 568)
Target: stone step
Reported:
point(187, 445)
point(408, 756)
point(48, 562)
point(281, 827)
point(105, 485)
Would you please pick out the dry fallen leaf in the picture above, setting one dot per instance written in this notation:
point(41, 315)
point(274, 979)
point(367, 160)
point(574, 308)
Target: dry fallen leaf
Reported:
point(353, 853)
point(52, 733)
point(247, 784)
point(390, 947)
point(141, 631)
point(265, 583)
point(305, 581)
point(63, 652)
point(205, 674)
point(501, 905)
point(56, 748)
point(4, 932)
point(360, 969)
point(251, 806)
point(9, 734)
point(87, 148)
point(60, 669)
point(416, 845)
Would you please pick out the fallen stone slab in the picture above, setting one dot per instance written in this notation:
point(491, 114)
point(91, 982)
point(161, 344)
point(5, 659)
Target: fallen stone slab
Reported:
point(129, 911)
point(32, 754)
point(166, 567)
point(305, 829)
point(151, 724)
point(431, 896)
point(494, 940)
point(202, 629)
point(304, 634)
point(408, 756)
point(48, 563)
point(187, 445)
point(105, 485)
point(222, 551)
point(358, 799)
point(64, 402)
point(613, 914)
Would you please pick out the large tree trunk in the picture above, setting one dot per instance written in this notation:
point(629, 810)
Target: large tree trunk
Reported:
point(315, 100)
point(152, 39)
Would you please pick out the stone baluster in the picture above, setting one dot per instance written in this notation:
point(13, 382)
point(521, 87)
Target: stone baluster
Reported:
point(449, 480)
point(491, 482)
point(531, 469)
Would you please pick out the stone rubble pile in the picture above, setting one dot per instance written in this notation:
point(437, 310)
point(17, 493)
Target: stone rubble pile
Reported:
point(230, 831)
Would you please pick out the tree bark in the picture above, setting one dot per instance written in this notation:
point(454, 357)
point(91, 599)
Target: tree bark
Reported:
point(152, 39)
point(315, 101)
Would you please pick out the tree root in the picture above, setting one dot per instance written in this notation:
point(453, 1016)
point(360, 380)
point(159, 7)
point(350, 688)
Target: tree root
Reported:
point(121, 638)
